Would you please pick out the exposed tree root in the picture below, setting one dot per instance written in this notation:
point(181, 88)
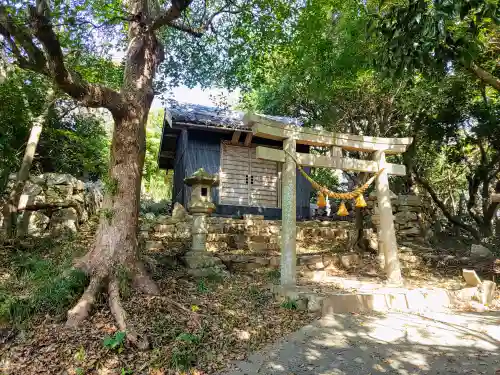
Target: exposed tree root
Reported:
point(178, 305)
point(192, 317)
point(81, 310)
point(120, 316)
point(143, 282)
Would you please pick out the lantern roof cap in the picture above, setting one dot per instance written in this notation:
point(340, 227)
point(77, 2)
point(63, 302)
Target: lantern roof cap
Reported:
point(202, 177)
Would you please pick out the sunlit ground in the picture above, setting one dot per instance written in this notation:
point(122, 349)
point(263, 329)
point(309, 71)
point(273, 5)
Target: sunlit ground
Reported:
point(393, 343)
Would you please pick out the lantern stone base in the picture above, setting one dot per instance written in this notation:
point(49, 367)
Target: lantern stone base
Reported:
point(202, 264)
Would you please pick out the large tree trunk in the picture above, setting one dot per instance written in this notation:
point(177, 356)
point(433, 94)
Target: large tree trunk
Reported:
point(11, 206)
point(115, 246)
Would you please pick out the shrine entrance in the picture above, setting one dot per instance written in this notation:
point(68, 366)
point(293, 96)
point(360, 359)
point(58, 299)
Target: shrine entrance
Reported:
point(290, 135)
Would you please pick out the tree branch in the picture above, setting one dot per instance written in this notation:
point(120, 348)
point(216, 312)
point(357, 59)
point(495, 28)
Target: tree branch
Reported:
point(12, 33)
point(171, 14)
point(485, 76)
point(90, 95)
point(29, 56)
point(474, 183)
point(187, 29)
point(443, 208)
point(170, 17)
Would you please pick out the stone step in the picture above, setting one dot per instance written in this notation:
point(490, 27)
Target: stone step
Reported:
point(220, 237)
point(388, 299)
point(253, 217)
point(318, 261)
point(258, 229)
point(233, 228)
point(267, 228)
point(324, 224)
point(256, 246)
point(251, 230)
point(201, 260)
point(263, 238)
point(218, 246)
point(153, 245)
point(328, 233)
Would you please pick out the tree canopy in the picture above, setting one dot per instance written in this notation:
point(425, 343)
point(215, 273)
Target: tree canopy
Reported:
point(438, 37)
point(334, 72)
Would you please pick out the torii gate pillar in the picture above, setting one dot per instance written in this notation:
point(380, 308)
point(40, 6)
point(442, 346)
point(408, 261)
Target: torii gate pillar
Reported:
point(288, 217)
point(387, 234)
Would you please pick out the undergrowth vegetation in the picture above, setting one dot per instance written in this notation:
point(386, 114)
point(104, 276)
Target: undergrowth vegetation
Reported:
point(36, 279)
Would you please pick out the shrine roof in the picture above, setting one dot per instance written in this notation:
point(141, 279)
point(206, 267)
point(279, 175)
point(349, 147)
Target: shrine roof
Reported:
point(217, 117)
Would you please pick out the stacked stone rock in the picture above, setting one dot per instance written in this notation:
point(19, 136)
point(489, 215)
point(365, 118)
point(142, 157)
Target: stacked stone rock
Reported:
point(242, 244)
point(55, 204)
point(411, 215)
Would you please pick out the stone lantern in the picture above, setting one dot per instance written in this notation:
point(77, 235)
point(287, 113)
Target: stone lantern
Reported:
point(200, 205)
point(199, 261)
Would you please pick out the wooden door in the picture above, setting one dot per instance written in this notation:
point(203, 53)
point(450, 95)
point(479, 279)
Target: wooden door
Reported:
point(234, 175)
point(246, 180)
point(263, 182)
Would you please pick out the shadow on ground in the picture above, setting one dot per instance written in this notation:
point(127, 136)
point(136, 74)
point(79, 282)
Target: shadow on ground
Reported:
point(393, 343)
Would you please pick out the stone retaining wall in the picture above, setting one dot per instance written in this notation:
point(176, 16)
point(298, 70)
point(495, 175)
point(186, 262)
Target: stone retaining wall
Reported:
point(54, 204)
point(241, 239)
point(173, 233)
point(411, 215)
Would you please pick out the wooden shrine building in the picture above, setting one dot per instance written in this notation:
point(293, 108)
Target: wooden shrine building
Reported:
point(217, 140)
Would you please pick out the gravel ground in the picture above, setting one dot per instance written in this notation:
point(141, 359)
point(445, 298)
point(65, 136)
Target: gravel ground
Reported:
point(392, 343)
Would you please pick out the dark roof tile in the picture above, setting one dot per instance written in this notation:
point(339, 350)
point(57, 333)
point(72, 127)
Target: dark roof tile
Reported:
point(214, 116)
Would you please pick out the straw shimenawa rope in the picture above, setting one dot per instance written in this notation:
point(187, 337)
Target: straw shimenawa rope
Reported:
point(331, 194)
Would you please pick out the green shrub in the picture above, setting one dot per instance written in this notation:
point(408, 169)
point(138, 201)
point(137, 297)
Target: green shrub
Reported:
point(201, 287)
point(182, 358)
point(261, 297)
point(115, 342)
point(184, 354)
point(52, 295)
point(188, 338)
point(58, 294)
point(289, 304)
point(274, 276)
point(39, 281)
point(124, 282)
point(214, 277)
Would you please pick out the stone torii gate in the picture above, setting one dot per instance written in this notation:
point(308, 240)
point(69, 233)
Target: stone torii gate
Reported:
point(291, 135)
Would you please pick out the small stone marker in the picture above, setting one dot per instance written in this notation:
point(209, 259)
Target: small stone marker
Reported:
point(179, 212)
point(350, 260)
point(471, 277)
point(487, 292)
point(485, 288)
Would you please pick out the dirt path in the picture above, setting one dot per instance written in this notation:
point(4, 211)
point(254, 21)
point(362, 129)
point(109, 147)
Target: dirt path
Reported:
point(392, 343)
